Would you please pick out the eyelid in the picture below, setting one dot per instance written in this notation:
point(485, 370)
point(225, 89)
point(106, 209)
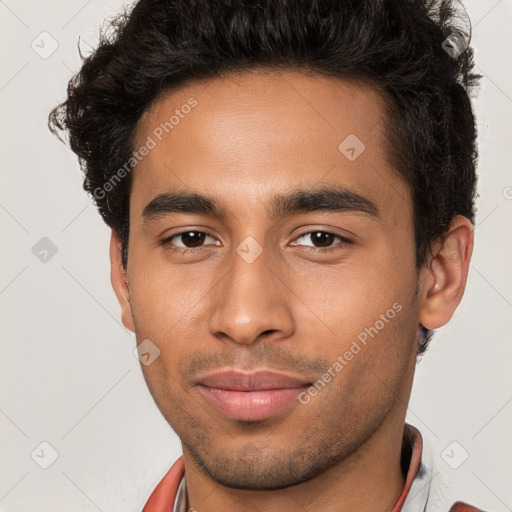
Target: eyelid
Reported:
point(344, 240)
point(346, 236)
point(337, 246)
point(167, 238)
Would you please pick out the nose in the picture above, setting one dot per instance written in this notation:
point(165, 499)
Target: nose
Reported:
point(252, 301)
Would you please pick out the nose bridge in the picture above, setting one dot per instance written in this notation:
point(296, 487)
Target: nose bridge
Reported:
point(251, 298)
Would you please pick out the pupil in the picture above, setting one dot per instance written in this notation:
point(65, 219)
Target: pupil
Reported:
point(193, 238)
point(323, 238)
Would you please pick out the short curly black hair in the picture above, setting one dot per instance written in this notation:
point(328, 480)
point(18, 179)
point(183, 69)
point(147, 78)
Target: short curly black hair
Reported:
point(406, 48)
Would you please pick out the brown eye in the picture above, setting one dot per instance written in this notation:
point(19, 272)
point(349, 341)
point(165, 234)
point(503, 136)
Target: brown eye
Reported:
point(187, 240)
point(192, 238)
point(323, 240)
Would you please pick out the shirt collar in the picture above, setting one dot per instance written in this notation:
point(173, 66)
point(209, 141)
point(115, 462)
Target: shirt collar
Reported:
point(416, 490)
point(181, 502)
point(172, 490)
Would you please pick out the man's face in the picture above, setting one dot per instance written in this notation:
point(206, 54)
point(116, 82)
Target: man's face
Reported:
point(306, 287)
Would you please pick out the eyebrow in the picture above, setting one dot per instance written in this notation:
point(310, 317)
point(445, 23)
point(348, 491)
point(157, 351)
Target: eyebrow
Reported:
point(326, 199)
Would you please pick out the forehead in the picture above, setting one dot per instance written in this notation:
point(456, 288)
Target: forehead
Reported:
point(247, 134)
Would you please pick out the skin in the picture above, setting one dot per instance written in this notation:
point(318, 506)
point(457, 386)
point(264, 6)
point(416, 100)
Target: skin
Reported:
point(293, 309)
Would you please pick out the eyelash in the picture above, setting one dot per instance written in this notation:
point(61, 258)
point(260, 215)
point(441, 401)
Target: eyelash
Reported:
point(167, 242)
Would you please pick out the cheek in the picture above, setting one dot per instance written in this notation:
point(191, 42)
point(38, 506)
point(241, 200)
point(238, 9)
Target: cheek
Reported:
point(170, 301)
point(353, 295)
point(373, 365)
point(165, 311)
point(165, 296)
point(372, 319)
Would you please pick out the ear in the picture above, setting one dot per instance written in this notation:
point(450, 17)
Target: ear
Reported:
point(443, 280)
point(119, 282)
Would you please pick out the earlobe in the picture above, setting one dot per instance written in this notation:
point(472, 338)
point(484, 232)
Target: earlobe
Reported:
point(447, 274)
point(119, 282)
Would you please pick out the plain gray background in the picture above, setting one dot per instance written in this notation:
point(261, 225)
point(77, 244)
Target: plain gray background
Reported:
point(68, 374)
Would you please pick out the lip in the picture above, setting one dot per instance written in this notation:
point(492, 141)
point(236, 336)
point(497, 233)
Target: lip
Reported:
point(250, 396)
